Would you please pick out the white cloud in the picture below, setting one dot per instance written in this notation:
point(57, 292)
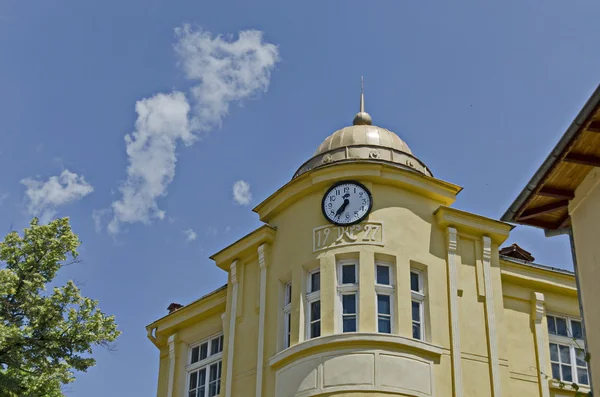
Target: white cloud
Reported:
point(3, 197)
point(190, 235)
point(211, 231)
point(162, 122)
point(44, 197)
point(227, 229)
point(224, 71)
point(241, 192)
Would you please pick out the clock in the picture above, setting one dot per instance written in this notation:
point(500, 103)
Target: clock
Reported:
point(346, 203)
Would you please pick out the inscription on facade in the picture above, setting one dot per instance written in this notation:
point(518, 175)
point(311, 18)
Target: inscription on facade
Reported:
point(332, 236)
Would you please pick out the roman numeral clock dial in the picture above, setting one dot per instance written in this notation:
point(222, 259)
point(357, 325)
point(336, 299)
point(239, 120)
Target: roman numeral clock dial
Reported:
point(346, 203)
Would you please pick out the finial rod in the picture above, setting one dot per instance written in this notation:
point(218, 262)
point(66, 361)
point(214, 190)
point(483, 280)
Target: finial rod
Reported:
point(362, 94)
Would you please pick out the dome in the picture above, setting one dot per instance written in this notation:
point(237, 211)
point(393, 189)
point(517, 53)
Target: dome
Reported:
point(363, 141)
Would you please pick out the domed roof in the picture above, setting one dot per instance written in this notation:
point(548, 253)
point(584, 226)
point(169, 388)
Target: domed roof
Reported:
point(364, 142)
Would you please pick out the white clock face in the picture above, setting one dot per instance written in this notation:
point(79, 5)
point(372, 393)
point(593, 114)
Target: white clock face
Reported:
point(346, 203)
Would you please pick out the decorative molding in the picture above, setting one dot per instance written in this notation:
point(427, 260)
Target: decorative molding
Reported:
point(538, 311)
point(263, 263)
point(331, 236)
point(454, 322)
point(491, 317)
point(172, 358)
point(231, 335)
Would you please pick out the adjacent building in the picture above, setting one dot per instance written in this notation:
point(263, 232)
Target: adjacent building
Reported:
point(364, 281)
point(563, 197)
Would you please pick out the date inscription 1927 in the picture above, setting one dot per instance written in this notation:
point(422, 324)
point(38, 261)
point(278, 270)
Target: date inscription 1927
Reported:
point(335, 236)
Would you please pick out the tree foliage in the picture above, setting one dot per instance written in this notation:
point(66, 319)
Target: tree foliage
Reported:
point(45, 335)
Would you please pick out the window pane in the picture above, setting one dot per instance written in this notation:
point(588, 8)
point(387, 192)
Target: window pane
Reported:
point(192, 393)
point(566, 373)
point(315, 311)
point(349, 304)
point(315, 329)
point(213, 372)
point(416, 311)
point(288, 293)
point(551, 325)
point(582, 376)
point(204, 351)
point(561, 327)
point(565, 354)
point(580, 358)
point(383, 275)
point(195, 354)
point(193, 380)
point(202, 378)
point(416, 328)
point(414, 282)
point(553, 352)
point(384, 325)
point(556, 371)
point(349, 324)
point(315, 282)
point(201, 391)
point(348, 274)
point(383, 304)
point(576, 328)
point(215, 346)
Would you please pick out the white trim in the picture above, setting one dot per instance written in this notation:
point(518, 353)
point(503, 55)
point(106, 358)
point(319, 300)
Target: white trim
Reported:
point(385, 289)
point(491, 317)
point(287, 314)
point(263, 253)
point(172, 358)
point(312, 297)
point(231, 336)
point(419, 297)
point(541, 346)
point(454, 321)
point(347, 289)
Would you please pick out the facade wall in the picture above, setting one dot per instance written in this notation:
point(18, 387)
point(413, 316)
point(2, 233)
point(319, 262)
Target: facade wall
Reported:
point(485, 319)
point(585, 218)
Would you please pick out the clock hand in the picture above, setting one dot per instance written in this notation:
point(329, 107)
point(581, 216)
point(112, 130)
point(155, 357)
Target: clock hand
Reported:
point(342, 207)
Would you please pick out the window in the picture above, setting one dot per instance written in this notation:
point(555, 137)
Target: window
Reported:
point(567, 350)
point(204, 369)
point(287, 314)
point(313, 298)
point(384, 289)
point(348, 295)
point(417, 304)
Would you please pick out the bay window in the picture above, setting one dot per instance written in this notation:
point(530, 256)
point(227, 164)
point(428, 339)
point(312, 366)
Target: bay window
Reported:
point(417, 304)
point(313, 300)
point(567, 350)
point(384, 289)
point(348, 294)
point(205, 367)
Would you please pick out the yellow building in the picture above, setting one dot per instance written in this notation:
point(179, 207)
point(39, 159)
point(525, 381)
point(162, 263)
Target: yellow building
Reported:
point(563, 197)
point(363, 281)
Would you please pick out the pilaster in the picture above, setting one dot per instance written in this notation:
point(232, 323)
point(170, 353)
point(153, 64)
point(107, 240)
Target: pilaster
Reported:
point(538, 313)
point(491, 317)
point(454, 320)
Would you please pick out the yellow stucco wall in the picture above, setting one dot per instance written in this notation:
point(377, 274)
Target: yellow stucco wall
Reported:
point(585, 218)
point(497, 347)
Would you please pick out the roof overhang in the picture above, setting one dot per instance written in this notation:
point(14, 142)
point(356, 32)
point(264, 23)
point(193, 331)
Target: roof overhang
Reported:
point(545, 199)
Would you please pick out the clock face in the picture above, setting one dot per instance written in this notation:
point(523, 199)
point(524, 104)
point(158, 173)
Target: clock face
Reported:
point(346, 203)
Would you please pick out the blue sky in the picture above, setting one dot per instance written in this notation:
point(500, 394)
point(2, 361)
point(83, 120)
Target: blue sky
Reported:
point(480, 92)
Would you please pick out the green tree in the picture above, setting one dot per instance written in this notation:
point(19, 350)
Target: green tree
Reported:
point(45, 335)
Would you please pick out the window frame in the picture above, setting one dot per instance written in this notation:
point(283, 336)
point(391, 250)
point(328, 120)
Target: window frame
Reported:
point(572, 343)
point(312, 297)
point(419, 298)
point(207, 363)
point(385, 289)
point(287, 314)
point(347, 289)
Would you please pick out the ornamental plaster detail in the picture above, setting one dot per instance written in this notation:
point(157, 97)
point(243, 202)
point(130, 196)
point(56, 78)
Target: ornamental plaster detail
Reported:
point(491, 317)
point(454, 321)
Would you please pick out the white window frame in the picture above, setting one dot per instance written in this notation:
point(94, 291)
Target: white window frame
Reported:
point(573, 345)
point(287, 314)
point(206, 363)
point(312, 297)
point(419, 297)
point(385, 289)
point(347, 289)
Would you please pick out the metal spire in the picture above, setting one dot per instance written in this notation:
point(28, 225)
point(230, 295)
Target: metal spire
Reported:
point(362, 117)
